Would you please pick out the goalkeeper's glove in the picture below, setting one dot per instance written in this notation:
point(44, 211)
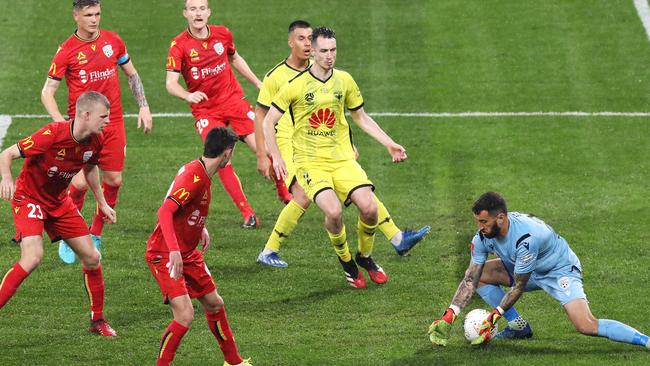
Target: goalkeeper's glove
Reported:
point(439, 329)
point(485, 331)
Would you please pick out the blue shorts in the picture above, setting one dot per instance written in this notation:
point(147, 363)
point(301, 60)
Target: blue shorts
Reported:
point(565, 285)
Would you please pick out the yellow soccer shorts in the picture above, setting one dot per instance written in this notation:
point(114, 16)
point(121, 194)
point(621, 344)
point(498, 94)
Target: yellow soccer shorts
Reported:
point(344, 178)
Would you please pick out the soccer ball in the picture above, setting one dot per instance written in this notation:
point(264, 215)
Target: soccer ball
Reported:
point(473, 322)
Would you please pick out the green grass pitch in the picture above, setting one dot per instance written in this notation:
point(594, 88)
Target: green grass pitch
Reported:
point(586, 176)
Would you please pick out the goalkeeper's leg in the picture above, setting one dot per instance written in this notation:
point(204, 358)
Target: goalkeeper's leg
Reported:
point(585, 323)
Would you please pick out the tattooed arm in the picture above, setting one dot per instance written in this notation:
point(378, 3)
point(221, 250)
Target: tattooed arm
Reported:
point(468, 285)
point(516, 291)
point(144, 116)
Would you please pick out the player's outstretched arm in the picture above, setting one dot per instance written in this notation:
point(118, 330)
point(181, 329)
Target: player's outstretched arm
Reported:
point(369, 126)
point(7, 186)
point(48, 100)
point(263, 163)
point(91, 171)
point(242, 67)
point(176, 89)
point(271, 119)
point(144, 115)
point(439, 329)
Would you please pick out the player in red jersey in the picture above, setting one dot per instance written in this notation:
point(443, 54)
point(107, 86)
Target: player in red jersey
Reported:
point(39, 198)
point(172, 252)
point(88, 60)
point(204, 54)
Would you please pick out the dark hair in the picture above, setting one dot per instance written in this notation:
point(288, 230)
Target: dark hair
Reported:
point(322, 32)
point(491, 202)
point(298, 24)
point(80, 4)
point(89, 99)
point(217, 141)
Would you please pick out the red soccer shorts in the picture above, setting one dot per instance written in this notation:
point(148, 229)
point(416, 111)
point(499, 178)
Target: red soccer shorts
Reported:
point(111, 158)
point(238, 115)
point(31, 217)
point(196, 281)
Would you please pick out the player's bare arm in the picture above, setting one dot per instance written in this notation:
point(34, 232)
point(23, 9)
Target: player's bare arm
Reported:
point(48, 100)
point(242, 67)
point(144, 115)
point(270, 120)
point(7, 185)
point(91, 171)
point(468, 285)
point(369, 126)
point(516, 291)
point(176, 89)
point(263, 163)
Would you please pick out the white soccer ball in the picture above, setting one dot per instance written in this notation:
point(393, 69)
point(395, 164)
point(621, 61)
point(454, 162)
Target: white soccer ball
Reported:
point(473, 322)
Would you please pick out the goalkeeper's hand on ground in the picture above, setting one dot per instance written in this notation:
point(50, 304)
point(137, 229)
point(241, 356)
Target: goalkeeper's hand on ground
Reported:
point(485, 331)
point(439, 329)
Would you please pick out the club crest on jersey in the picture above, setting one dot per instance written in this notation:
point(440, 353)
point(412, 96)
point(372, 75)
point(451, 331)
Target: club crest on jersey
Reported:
point(87, 155)
point(195, 73)
point(83, 76)
point(218, 48)
point(108, 50)
point(322, 117)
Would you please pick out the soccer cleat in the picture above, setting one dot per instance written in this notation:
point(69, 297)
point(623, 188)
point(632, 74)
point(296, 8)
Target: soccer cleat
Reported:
point(509, 333)
point(66, 253)
point(250, 222)
point(376, 273)
point(246, 362)
point(102, 328)
point(352, 274)
point(272, 259)
point(410, 238)
point(97, 242)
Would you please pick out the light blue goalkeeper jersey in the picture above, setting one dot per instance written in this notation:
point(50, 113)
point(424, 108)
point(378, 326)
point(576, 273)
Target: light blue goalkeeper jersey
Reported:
point(530, 246)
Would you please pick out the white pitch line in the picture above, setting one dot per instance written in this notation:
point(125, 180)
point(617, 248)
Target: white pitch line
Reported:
point(417, 115)
point(5, 121)
point(644, 13)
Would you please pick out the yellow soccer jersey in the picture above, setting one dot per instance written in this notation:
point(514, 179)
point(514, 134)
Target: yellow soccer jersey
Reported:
point(321, 134)
point(273, 81)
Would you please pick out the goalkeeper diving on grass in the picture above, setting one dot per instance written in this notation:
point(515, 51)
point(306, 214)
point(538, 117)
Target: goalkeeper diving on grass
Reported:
point(531, 256)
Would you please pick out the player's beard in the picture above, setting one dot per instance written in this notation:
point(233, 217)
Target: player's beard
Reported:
point(493, 232)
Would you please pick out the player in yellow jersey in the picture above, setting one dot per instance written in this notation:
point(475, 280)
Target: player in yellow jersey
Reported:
point(300, 43)
point(323, 155)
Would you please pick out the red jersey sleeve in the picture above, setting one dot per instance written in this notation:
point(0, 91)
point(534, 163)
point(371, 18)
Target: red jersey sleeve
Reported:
point(59, 64)
point(230, 47)
point(37, 143)
point(122, 54)
point(174, 58)
point(182, 190)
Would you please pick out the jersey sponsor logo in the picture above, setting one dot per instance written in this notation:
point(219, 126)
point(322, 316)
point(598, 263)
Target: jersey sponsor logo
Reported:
point(196, 178)
point(171, 63)
point(83, 76)
point(108, 73)
point(182, 195)
point(47, 132)
point(322, 117)
point(218, 48)
point(27, 143)
point(195, 73)
point(52, 69)
point(207, 71)
point(81, 57)
point(172, 44)
point(60, 155)
point(194, 218)
point(52, 171)
point(87, 155)
point(108, 50)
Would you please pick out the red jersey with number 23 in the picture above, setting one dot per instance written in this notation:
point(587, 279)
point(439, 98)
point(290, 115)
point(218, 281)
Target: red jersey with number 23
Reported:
point(91, 65)
point(52, 157)
point(191, 192)
point(205, 66)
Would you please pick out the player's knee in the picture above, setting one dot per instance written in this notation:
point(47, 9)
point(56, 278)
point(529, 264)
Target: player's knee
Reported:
point(185, 315)
point(587, 327)
point(214, 306)
point(334, 213)
point(114, 179)
point(29, 261)
point(91, 260)
point(369, 212)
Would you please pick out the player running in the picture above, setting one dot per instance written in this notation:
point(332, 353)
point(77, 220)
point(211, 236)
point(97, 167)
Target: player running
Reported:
point(324, 159)
point(204, 54)
point(300, 43)
point(39, 198)
point(172, 252)
point(88, 60)
point(531, 257)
